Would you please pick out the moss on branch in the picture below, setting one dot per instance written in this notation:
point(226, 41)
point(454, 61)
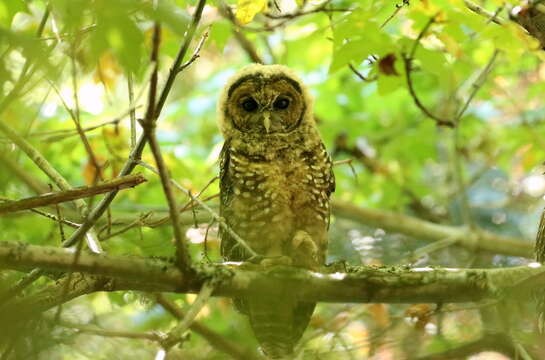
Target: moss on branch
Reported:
point(360, 284)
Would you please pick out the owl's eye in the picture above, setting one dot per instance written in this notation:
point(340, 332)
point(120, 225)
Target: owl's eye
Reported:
point(249, 105)
point(281, 103)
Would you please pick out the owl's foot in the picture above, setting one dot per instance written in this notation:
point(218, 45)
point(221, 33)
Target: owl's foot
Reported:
point(305, 250)
point(277, 260)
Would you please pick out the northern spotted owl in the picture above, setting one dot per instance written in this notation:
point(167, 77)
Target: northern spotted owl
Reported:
point(275, 179)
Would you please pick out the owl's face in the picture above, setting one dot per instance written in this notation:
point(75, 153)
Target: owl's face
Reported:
point(264, 101)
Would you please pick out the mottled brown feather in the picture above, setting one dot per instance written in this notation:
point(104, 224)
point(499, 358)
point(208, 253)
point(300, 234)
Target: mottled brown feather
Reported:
point(275, 189)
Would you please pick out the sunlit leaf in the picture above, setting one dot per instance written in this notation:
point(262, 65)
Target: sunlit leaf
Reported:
point(248, 9)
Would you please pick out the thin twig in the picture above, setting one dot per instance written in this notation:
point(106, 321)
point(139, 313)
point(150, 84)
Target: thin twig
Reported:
point(360, 75)
point(58, 197)
point(300, 12)
point(138, 222)
point(396, 11)
point(457, 163)
point(50, 171)
point(55, 135)
point(39, 160)
point(286, 18)
point(429, 248)
point(55, 218)
point(136, 152)
point(407, 59)
point(59, 217)
point(196, 53)
point(215, 215)
point(217, 341)
point(92, 330)
point(342, 162)
point(176, 334)
point(190, 205)
point(149, 125)
point(477, 9)
point(132, 112)
point(20, 285)
point(180, 57)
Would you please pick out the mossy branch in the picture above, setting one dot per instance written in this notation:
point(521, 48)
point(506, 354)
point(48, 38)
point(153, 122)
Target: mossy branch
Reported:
point(361, 284)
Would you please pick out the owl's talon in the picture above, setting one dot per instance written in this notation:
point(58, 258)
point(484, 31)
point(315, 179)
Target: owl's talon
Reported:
point(303, 240)
point(277, 260)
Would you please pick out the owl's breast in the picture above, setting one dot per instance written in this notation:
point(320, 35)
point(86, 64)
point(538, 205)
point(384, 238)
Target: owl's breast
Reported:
point(276, 194)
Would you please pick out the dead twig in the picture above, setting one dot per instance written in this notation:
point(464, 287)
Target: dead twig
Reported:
point(196, 53)
point(58, 197)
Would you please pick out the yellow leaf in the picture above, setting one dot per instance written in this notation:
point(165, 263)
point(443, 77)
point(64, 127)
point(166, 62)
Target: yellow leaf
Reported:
point(248, 9)
point(107, 70)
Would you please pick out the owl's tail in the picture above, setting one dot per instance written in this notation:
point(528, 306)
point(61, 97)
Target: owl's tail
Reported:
point(278, 324)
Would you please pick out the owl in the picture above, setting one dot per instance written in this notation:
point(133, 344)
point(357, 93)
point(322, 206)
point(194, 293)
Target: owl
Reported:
point(276, 179)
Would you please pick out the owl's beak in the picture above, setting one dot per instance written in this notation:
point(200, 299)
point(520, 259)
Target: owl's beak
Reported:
point(267, 121)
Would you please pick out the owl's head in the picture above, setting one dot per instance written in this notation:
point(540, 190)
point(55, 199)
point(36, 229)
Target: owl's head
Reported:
point(264, 99)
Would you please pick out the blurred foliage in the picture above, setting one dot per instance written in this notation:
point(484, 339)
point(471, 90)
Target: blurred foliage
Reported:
point(82, 59)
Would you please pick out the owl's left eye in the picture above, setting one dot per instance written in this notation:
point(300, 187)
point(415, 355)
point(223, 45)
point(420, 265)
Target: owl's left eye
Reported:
point(249, 105)
point(281, 103)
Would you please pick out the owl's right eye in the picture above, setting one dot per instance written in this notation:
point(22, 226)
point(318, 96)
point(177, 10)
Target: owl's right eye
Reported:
point(249, 105)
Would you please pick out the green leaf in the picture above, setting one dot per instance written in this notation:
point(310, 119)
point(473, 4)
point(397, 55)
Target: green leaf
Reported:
point(122, 37)
point(373, 43)
point(220, 33)
point(169, 14)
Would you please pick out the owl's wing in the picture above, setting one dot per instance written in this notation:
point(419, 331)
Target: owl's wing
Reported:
point(330, 181)
point(225, 200)
point(230, 249)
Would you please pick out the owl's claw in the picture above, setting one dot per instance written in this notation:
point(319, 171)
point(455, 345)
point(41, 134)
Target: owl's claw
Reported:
point(305, 250)
point(303, 240)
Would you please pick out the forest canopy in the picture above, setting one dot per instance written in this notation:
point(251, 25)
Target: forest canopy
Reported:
point(433, 114)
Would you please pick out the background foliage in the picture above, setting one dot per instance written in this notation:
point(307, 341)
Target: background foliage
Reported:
point(484, 172)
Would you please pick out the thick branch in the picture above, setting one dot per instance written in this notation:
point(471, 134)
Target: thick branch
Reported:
point(72, 194)
point(425, 230)
point(363, 284)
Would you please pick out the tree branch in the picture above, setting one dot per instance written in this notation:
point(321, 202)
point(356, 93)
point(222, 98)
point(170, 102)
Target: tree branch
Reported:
point(149, 125)
point(360, 284)
point(176, 334)
point(72, 194)
point(136, 151)
point(40, 161)
point(217, 341)
point(425, 230)
point(407, 61)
